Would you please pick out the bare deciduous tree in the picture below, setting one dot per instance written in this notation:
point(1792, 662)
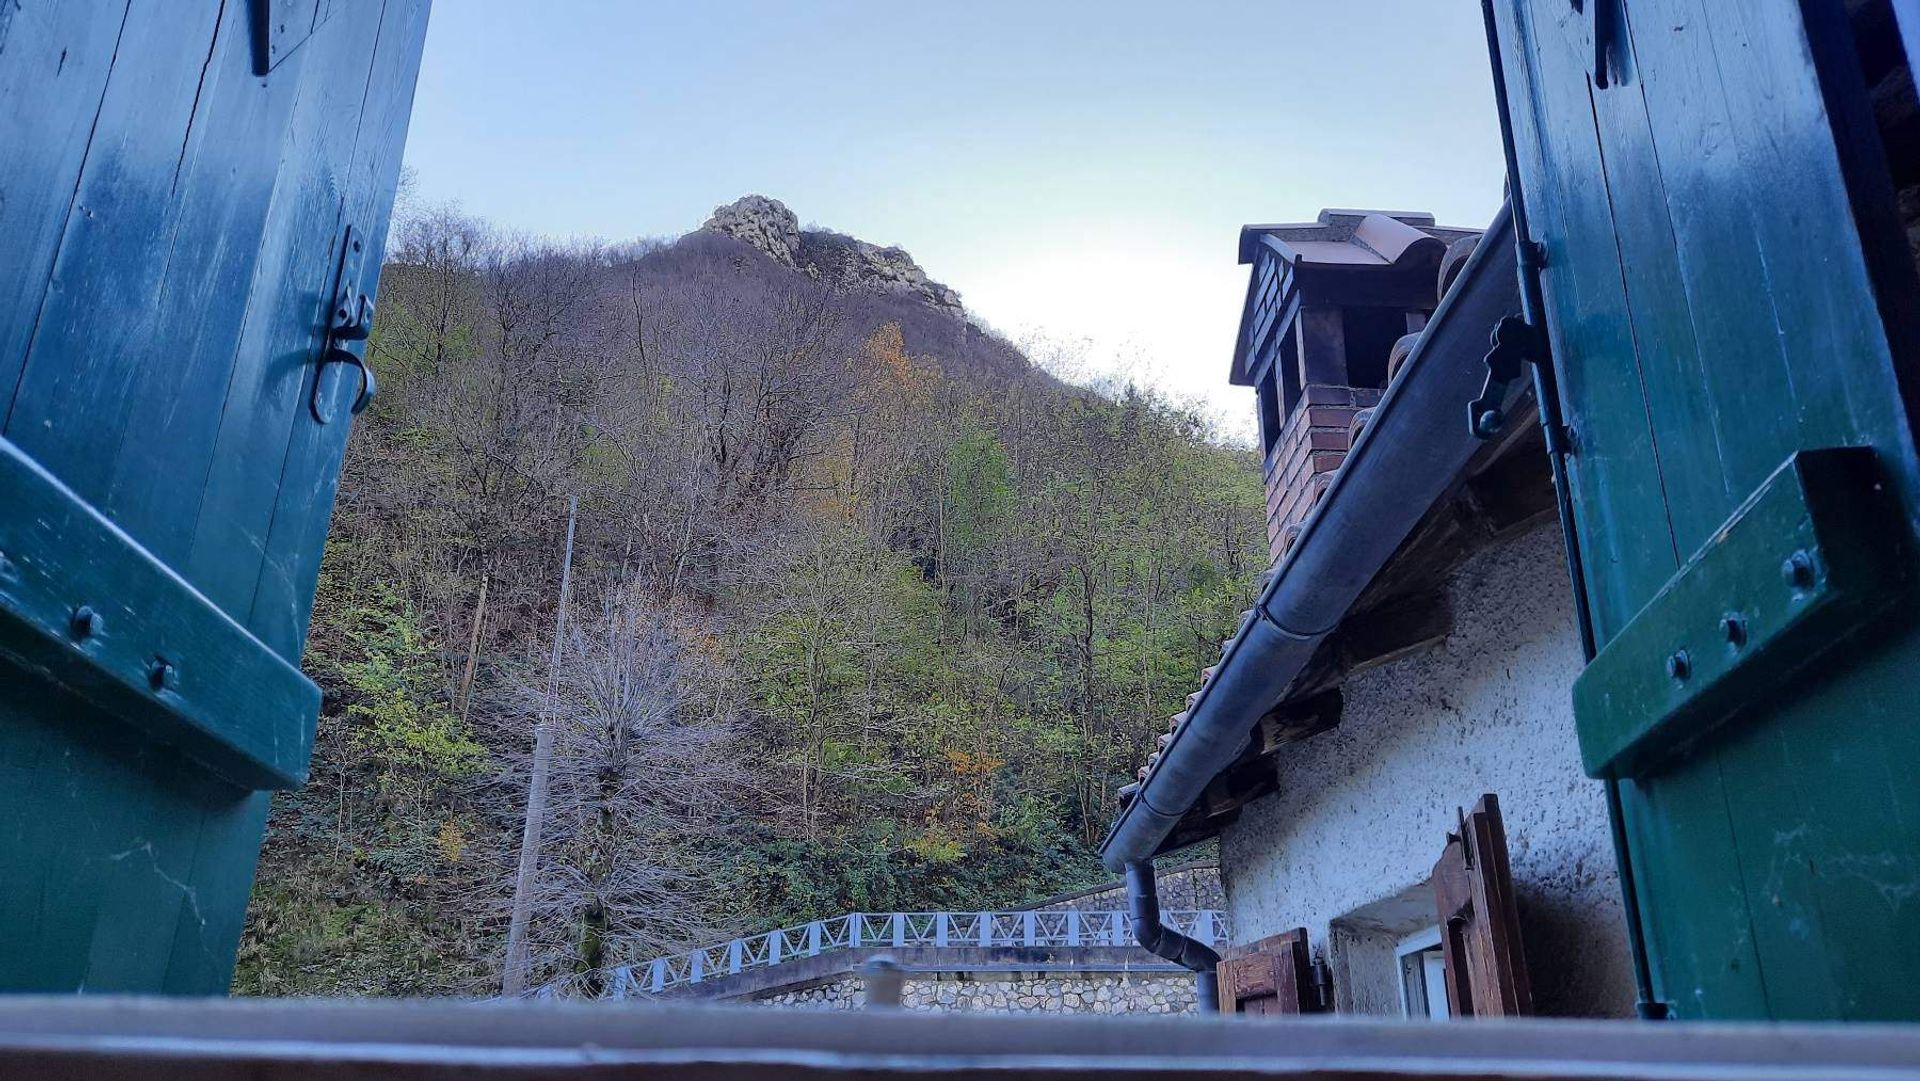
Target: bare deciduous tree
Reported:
point(643, 763)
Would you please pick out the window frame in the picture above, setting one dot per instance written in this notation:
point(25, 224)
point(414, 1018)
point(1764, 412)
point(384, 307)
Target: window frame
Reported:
point(1410, 964)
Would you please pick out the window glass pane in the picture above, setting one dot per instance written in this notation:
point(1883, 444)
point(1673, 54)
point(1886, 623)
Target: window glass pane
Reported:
point(1433, 966)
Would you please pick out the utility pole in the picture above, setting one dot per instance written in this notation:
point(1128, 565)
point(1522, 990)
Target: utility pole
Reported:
point(514, 978)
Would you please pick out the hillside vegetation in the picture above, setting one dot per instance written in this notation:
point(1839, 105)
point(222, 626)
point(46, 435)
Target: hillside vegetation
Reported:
point(865, 611)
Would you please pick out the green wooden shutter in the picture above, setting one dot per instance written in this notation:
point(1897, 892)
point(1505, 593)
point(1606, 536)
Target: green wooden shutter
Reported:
point(1719, 278)
point(173, 221)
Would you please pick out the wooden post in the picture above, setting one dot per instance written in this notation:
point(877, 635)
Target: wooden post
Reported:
point(885, 981)
point(473, 644)
point(513, 978)
point(1323, 347)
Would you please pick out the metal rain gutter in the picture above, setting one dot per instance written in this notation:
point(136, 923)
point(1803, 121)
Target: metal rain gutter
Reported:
point(1405, 460)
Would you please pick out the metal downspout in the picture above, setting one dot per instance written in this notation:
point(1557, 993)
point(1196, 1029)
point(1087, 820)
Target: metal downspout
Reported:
point(1143, 918)
point(1530, 257)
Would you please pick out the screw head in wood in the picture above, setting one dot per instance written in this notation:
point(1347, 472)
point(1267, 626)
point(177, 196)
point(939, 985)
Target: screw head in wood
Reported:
point(162, 675)
point(85, 622)
point(1679, 665)
point(1797, 570)
point(1733, 626)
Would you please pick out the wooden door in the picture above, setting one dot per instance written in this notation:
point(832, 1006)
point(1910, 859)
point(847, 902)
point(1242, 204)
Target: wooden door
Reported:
point(185, 189)
point(1486, 964)
point(1271, 976)
point(1730, 306)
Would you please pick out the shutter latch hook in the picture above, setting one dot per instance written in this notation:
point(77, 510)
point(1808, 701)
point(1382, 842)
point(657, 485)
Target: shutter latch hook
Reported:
point(1514, 342)
point(349, 322)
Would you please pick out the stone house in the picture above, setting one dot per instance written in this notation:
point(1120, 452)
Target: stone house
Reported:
point(1408, 806)
point(1675, 751)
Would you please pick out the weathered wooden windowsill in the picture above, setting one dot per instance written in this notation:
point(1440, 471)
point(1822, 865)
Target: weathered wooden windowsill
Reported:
point(283, 1040)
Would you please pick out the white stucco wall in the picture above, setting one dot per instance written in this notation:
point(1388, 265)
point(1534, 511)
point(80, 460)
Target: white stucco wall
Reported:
point(1346, 845)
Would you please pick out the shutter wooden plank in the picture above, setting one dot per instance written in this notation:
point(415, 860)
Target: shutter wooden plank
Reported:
point(368, 53)
point(207, 937)
point(1480, 921)
point(1666, 352)
point(1717, 179)
point(71, 405)
point(57, 60)
point(1271, 976)
point(1453, 895)
point(1503, 953)
point(1605, 119)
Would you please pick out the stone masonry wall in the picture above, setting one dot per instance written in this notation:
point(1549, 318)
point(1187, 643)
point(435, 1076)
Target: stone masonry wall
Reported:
point(1182, 887)
point(1092, 993)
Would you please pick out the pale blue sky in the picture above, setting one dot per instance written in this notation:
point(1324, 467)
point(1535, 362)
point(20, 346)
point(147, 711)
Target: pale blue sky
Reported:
point(1077, 170)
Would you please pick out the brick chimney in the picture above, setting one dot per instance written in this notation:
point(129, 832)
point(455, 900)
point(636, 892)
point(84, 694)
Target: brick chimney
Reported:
point(1332, 307)
point(1303, 459)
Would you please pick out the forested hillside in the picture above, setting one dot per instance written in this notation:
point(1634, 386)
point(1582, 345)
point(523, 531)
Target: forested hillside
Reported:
point(865, 612)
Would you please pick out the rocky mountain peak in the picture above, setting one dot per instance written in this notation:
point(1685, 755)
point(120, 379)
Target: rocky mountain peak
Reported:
point(767, 225)
point(760, 222)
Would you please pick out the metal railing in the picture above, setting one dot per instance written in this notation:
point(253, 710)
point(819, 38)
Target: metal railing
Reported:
point(979, 930)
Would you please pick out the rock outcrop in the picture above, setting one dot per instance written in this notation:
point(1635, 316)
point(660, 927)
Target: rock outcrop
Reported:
point(761, 223)
point(770, 227)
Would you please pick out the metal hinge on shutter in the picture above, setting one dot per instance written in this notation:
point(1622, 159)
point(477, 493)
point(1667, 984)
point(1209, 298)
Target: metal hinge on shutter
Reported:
point(279, 26)
point(1816, 554)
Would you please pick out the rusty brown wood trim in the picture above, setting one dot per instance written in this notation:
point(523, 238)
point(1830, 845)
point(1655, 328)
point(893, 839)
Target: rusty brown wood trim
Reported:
point(1480, 921)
